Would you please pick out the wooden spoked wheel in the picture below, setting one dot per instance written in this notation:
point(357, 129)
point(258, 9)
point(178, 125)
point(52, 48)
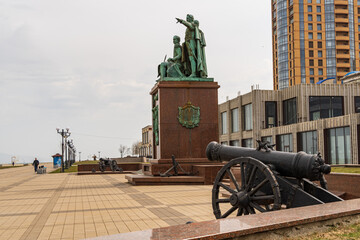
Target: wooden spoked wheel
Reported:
point(245, 186)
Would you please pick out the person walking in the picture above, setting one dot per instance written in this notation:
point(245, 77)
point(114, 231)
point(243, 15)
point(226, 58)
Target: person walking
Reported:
point(36, 164)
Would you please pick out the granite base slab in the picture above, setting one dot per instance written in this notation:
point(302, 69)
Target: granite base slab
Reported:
point(234, 228)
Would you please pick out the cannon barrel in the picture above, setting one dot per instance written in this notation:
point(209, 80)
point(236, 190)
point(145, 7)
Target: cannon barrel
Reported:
point(298, 165)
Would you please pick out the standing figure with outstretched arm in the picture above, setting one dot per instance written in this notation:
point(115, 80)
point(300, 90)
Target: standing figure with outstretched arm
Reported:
point(200, 51)
point(189, 49)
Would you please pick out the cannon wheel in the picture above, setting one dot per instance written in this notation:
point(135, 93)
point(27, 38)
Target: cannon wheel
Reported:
point(247, 193)
point(113, 165)
point(102, 166)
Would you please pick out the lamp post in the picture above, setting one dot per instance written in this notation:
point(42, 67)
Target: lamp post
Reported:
point(79, 156)
point(64, 134)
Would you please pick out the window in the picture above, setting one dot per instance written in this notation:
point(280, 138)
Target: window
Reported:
point(319, 36)
point(318, 1)
point(325, 107)
point(338, 145)
point(270, 114)
point(318, 9)
point(357, 104)
point(224, 143)
point(310, 26)
point(320, 71)
point(318, 27)
point(289, 111)
point(311, 44)
point(319, 44)
point(309, 8)
point(247, 117)
point(312, 80)
point(247, 143)
point(267, 139)
point(320, 53)
point(223, 123)
point(311, 71)
point(318, 18)
point(234, 120)
point(235, 143)
point(311, 62)
point(311, 53)
point(309, 1)
point(309, 17)
point(284, 143)
point(307, 142)
point(320, 62)
point(310, 35)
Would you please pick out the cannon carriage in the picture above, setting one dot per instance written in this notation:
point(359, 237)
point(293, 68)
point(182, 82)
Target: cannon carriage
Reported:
point(261, 180)
point(104, 162)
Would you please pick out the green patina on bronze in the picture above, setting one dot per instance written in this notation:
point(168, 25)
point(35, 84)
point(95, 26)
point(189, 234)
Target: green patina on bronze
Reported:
point(155, 98)
point(155, 112)
point(188, 79)
point(189, 115)
point(189, 60)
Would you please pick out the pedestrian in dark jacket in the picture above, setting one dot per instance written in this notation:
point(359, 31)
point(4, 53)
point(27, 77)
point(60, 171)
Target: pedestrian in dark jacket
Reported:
point(36, 164)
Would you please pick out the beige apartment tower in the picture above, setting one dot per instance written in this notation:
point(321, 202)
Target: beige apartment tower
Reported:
point(314, 40)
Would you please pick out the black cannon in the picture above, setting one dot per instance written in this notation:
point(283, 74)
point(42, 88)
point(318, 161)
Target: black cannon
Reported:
point(261, 180)
point(104, 162)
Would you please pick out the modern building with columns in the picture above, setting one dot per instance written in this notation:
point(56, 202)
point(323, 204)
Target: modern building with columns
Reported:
point(306, 117)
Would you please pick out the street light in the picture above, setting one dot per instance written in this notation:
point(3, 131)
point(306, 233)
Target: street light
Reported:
point(64, 134)
point(79, 156)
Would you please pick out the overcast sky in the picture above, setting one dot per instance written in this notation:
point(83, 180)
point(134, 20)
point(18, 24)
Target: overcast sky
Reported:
point(89, 65)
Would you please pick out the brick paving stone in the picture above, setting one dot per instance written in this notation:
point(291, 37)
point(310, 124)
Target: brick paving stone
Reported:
point(68, 206)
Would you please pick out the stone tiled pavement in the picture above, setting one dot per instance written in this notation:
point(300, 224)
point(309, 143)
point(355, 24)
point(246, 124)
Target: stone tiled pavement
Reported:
point(68, 206)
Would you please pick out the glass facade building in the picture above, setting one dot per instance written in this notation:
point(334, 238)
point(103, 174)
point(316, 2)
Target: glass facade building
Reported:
point(247, 143)
point(339, 145)
point(310, 117)
point(302, 28)
point(307, 142)
point(224, 123)
point(270, 114)
point(247, 117)
point(234, 120)
point(290, 111)
point(325, 107)
point(284, 143)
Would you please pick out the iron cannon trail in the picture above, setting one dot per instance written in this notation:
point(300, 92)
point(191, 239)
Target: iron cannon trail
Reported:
point(261, 180)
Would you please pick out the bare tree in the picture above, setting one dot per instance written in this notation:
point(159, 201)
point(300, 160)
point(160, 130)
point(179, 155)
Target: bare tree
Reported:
point(123, 150)
point(135, 148)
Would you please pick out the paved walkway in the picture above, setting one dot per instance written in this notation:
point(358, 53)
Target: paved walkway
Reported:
point(68, 206)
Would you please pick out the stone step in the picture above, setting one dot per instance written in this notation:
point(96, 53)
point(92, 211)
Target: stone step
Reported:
point(135, 179)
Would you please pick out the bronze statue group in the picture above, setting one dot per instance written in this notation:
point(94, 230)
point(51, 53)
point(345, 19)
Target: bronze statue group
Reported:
point(189, 58)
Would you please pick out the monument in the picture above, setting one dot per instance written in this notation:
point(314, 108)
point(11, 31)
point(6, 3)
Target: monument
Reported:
point(184, 105)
